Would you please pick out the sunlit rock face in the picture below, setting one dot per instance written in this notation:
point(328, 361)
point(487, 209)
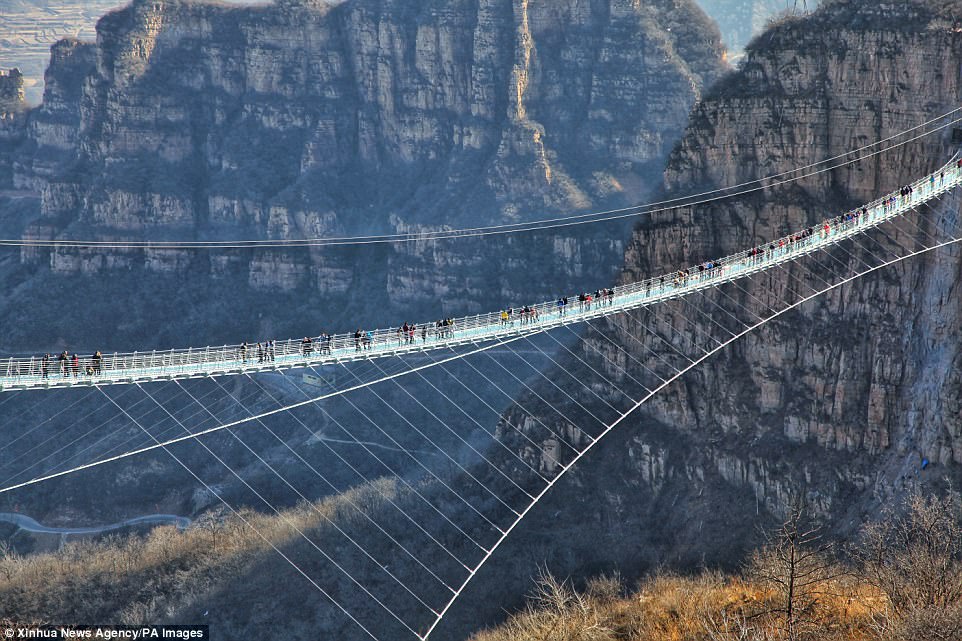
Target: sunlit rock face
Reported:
point(838, 402)
point(312, 119)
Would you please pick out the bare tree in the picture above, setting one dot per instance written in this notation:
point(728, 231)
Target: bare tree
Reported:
point(799, 564)
point(556, 612)
point(915, 559)
point(8, 559)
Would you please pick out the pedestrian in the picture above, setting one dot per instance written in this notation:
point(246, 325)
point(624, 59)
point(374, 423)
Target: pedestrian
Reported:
point(45, 366)
point(75, 365)
point(98, 363)
point(357, 340)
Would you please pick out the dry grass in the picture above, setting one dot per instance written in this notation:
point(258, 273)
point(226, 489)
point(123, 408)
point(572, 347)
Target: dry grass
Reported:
point(707, 607)
point(917, 554)
point(133, 580)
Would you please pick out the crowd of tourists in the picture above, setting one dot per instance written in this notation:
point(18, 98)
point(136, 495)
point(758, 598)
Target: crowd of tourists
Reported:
point(67, 365)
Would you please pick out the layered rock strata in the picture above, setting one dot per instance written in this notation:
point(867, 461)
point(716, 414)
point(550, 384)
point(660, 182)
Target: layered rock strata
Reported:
point(849, 402)
point(308, 119)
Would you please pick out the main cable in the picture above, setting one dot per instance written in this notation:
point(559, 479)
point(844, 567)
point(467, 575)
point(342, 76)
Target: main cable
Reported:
point(507, 228)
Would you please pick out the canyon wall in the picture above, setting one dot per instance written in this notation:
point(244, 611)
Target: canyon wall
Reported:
point(839, 402)
point(12, 121)
point(868, 374)
point(199, 121)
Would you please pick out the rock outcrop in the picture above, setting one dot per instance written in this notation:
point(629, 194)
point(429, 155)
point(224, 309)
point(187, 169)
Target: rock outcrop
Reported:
point(11, 91)
point(839, 402)
point(311, 119)
point(855, 374)
point(12, 122)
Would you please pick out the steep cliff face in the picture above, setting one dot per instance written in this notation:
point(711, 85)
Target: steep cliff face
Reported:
point(299, 119)
point(855, 373)
point(11, 91)
point(12, 121)
point(838, 402)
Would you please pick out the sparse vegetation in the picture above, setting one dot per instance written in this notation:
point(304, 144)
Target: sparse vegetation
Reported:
point(707, 607)
point(903, 583)
point(135, 580)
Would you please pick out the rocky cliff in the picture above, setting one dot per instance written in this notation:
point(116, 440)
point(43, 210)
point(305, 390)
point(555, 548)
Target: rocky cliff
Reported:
point(838, 403)
point(11, 91)
point(314, 119)
point(12, 121)
point(852, 374)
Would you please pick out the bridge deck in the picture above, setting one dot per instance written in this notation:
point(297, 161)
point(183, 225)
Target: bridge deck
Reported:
point(142, 367)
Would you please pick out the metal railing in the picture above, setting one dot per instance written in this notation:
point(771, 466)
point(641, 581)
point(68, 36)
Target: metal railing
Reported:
point(136, 367)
